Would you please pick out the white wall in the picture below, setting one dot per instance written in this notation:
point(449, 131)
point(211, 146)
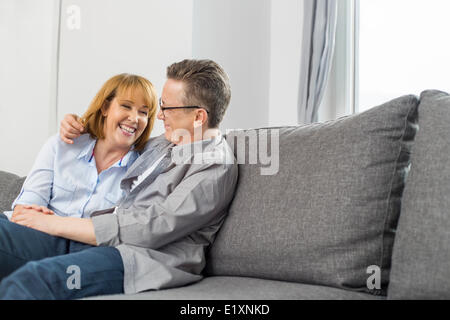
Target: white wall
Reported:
point(28, 31)
point(285, 51)
point(116, 36)
point(236, 34)
point(258, 42)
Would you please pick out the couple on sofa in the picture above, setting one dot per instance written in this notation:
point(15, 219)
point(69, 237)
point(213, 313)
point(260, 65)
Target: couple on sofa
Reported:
point(110, 211)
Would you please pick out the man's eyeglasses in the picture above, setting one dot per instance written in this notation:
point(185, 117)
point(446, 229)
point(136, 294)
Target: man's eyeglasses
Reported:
point(163, 109)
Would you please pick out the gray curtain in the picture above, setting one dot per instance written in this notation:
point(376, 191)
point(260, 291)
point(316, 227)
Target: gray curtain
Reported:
point(319, 30)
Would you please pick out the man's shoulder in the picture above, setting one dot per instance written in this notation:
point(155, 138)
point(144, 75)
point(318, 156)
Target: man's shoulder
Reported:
point(159, 142)
point(217, 165)
point(219, 151)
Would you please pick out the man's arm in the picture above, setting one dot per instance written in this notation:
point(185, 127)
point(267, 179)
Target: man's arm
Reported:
point(70, 128)
point(77, 229)
point(195, 202)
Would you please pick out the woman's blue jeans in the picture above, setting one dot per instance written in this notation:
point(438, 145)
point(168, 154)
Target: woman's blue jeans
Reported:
point(36, 265)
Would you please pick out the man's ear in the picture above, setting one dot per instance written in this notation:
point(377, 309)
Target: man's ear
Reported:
point(201, 118)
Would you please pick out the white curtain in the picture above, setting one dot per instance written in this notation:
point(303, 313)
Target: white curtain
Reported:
point(319, 30)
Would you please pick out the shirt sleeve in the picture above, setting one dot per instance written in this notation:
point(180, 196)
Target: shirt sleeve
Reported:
point(38, 184)
point(195, 202)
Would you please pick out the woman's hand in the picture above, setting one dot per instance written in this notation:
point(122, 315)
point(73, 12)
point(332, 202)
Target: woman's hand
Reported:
point(20, 208)
point(43, 219)
point(70, 128)
point(35, 219)
point(42, 209)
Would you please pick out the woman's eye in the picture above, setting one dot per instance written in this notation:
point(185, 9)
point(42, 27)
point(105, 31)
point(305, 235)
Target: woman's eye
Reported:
point(126, 107)
point(144, 113)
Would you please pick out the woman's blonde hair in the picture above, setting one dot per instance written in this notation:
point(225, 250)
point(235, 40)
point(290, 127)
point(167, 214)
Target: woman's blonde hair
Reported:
point(93, 119)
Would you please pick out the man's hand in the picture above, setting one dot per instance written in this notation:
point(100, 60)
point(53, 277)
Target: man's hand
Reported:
point(35, 219)
point(70, 128)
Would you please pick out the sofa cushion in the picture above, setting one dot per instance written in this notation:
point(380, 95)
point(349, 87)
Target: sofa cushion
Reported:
point(331, 210)
point(10, 185)
point(239, 288)
point(421, 258)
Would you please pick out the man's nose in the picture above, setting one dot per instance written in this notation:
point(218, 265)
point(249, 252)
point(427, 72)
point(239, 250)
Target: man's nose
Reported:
point(160, 115)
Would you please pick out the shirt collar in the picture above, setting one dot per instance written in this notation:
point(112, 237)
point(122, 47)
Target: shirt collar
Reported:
point(127, 159)
point(88, 150)
point(87, 154)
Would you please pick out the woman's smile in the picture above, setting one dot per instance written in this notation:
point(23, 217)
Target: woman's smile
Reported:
point(127, 130)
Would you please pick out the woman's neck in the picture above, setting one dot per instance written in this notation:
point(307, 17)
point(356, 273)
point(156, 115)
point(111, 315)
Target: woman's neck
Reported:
point(106, 155)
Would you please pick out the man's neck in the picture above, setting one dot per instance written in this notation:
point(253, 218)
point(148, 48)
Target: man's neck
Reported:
point(207, 134)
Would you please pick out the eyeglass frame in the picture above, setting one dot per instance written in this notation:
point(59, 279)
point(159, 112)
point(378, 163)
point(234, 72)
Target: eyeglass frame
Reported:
point(181, 107)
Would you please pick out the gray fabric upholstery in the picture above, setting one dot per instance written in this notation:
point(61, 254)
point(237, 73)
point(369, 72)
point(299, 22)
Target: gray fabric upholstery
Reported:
point(421, 258)
point(237, 288)
point(10, 185)
point(332, 209)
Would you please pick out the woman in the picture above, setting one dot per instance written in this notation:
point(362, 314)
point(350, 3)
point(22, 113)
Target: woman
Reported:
point(76, 180)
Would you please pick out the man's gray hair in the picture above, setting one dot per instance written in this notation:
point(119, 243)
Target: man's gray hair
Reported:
point(206, 85)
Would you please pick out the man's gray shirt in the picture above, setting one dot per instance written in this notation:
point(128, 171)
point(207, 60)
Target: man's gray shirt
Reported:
point(164, 225)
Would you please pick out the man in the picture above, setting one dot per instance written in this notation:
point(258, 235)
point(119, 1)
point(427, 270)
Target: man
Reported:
point(177, 194)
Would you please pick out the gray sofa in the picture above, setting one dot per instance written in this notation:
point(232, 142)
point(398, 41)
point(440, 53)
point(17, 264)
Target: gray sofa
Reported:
point(357, 208)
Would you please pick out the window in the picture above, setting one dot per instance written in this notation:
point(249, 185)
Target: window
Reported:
point(403, 48)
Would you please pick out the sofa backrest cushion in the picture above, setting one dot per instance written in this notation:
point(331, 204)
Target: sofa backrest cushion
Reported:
point(421, 258)
point(10, 185)
point(331, 210)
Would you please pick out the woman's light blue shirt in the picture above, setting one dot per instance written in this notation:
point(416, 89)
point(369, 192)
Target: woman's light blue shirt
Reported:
point(64, 178)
